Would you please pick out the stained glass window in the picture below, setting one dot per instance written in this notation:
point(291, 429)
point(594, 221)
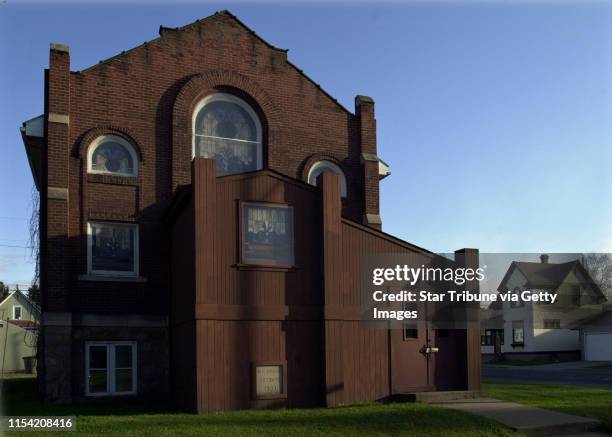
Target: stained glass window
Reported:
point(267, 234)
point(112, 155)
point(227, 130)
point(113, 248)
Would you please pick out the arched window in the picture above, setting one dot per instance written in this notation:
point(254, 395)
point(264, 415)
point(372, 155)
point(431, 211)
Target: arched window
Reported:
point(322, 166)
point(226, 129)
point(111, 154)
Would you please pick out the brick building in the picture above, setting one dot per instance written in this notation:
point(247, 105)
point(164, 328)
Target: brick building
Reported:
point(204, 207)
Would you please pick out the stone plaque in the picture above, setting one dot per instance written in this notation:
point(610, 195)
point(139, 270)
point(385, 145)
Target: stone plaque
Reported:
point(268, 380)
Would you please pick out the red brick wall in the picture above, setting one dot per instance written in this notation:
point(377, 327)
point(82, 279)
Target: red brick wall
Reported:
point(146, 95)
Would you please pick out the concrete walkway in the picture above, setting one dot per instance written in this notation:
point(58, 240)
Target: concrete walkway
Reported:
point(528, 420)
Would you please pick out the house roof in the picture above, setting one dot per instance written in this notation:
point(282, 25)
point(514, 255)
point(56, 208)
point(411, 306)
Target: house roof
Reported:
point(25, 324)
point(19, 294)
point(545, 275)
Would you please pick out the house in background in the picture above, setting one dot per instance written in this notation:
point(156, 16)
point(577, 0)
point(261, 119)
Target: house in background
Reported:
point(19, 318)
point(596, 335)
point(205, 207)
point(528, 330)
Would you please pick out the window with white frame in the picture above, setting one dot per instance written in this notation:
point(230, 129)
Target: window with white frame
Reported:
point(112, 249)
point(112, 154)
point(110, 368)
point(326, 166)
point(227, 129)
point(518, 333)
point(16, 312)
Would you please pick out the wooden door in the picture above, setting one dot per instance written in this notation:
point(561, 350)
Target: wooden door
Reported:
point(411, 366)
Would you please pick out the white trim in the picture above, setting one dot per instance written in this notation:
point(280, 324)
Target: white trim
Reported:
point(330, 166)
point(136, 250)
point(225, 97)
point(117, 139)
point(110, 367)
point(20, 312)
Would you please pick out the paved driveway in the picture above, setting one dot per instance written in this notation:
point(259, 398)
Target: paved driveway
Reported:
point(581, 373)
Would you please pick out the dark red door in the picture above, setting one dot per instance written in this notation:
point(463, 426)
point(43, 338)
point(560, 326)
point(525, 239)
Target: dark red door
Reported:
point(413, 357)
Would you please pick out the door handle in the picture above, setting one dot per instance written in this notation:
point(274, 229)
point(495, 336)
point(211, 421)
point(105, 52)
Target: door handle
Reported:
point(429, 350)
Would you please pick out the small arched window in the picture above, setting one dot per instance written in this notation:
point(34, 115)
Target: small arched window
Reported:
point(227, 129)
point(111, 154)
point(323, 166)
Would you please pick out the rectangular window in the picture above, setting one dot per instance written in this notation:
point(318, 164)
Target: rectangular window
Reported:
point(16, 312)
point(112, 249)
point(487, 336)
point(110, 368)
point(576, 295)
point(267, 234)
point(410, 333)
point(518, 337)
point(552, 324)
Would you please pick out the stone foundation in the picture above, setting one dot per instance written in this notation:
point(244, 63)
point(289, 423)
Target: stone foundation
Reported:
point(61, 367)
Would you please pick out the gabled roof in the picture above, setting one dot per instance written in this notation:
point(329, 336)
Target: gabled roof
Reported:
point(545, 275)
point(18, 294)
point(548, 276)
point(171, 30)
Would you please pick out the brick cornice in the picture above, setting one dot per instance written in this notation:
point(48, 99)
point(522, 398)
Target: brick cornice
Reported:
point(197, 88)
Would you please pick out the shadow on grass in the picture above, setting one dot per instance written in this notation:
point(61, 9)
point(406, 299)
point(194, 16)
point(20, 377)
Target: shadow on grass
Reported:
point(20, 398)
point(162, 419)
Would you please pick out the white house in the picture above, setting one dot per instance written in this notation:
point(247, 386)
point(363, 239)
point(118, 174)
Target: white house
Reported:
point(19, 318)
point(529, 330)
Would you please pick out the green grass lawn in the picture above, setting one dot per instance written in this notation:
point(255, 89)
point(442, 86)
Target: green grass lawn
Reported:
point(582, 401)
point(372, 419)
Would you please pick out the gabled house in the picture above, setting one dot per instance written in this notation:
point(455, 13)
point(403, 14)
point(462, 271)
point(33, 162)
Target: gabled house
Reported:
point(204, 210)
point(531, 330)
point(19, 318)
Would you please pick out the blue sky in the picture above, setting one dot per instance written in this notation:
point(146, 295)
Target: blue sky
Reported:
point(495, 117)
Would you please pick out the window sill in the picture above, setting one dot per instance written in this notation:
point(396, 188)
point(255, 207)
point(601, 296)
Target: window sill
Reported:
point(518, 345)
point(265, 268)
point(103, 278)
point(112, 179)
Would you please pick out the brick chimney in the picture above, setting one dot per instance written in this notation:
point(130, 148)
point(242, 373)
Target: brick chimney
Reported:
point(364, 110)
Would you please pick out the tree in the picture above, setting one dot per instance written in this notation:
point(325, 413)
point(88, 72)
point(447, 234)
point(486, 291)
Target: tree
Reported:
point(599, 266)
point(34, 294)
point(34, 241)
point(4, 291)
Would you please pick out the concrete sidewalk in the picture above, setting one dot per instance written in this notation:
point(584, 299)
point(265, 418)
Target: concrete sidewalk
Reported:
point(528, 420)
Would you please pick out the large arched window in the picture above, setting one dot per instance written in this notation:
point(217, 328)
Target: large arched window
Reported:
point(111, 154)
point(226, 129)
point(323, 166)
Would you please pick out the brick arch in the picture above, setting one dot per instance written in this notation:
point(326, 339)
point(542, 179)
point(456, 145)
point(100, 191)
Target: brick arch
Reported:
point(312, 159)
point(197, 88)
point(98, 131)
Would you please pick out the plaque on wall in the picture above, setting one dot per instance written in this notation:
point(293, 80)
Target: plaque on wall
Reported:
point(268, 380)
